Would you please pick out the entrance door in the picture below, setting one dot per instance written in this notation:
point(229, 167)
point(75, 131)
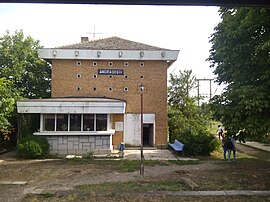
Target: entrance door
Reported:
point(148, 139)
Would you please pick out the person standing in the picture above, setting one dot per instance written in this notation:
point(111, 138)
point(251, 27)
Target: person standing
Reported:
point(224, 146)
point(231, 148)
point(220, 131)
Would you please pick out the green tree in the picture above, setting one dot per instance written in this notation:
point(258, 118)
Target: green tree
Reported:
point(20, 63)
point(8, 97)
point(240, 55)
point(187, 121)
point(23, 74)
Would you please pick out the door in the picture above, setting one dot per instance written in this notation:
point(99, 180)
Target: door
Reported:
point(148, 135)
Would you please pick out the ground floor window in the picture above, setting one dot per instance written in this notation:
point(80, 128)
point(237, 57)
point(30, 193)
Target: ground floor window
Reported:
point(49, 122)
point(75, 122)
point(61, 122)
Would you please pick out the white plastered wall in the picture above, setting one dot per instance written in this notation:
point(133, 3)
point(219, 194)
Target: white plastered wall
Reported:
point(132, 127)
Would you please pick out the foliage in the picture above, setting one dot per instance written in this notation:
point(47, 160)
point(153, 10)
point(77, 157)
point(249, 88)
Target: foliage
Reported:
point(240, 56)
point(8, 97)
point(33, 147)
point(187, 121)
point(23, 74)
point(20, 63)
point(198, 142)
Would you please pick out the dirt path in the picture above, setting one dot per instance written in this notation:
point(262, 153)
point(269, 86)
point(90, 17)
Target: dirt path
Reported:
point(59, 175)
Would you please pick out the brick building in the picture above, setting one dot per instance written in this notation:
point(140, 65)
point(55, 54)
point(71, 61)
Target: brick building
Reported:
point(96, 96)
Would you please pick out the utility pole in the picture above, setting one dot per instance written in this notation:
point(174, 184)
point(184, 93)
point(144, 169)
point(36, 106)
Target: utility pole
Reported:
point(198, 80)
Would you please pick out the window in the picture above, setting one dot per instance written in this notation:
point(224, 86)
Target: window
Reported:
point(141, 64)
point(49, 122)
point(126, 89)
point(61, 122)
point(126, 64)
point(101, 122)
point(126, 76)
point(78, 63)
point(75, 122)
point(88, 122)
point(142, 77)
point(110, 64)
point(110, 88)
point(94, 64)
point(78, 88)
point(79, 76)
point(110, 76)
point(94, 88)
point(94, 76)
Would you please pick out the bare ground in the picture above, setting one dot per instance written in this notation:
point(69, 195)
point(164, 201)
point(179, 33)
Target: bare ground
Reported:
point(54, 176)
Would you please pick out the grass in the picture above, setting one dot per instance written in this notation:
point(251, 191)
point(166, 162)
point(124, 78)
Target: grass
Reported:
point(136, 186)
point(128, 165)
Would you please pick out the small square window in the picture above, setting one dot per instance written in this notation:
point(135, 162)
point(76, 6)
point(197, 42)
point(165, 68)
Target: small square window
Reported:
point(141, 64)
point(126, 89)
point(110, 64)
point(95, 64)
point(78, 63)
point(126, 64)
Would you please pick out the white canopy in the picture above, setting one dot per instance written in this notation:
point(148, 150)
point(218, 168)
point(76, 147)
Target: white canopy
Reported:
point(72, 106)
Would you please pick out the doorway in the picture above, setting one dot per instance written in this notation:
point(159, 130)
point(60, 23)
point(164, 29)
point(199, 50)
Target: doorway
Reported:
point(148, 135)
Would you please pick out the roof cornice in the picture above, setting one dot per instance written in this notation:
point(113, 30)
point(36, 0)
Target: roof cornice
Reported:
point(55, 53)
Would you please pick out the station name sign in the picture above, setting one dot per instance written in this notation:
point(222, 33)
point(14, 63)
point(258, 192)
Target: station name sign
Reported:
point(111, 71)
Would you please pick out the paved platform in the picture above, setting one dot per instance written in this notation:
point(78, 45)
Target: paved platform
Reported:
point(34, 190)
point(257, 145)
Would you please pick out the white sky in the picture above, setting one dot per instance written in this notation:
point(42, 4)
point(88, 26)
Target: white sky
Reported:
point(184, 28)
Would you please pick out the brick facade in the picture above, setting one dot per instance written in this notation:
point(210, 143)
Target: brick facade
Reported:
point(80, 78)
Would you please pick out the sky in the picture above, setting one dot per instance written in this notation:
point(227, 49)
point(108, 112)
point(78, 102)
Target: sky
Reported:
point(184, 28)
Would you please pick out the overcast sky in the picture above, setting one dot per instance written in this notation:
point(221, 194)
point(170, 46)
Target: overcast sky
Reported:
point(184, 28)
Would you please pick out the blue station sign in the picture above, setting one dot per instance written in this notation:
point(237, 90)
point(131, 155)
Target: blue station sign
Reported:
point(111, 71)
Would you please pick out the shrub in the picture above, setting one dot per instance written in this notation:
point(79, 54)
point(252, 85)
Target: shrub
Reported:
point(198, 142)
point(33, 147)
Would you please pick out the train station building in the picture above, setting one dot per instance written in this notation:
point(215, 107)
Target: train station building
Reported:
point(96, 96)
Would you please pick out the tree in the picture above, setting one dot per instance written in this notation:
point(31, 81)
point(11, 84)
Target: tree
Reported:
point(187, 121)
point(240, 55)
point(8, 97)
point(20, 63)
point(23, 74)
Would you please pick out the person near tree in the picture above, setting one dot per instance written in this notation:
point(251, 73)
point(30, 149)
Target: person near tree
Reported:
point(220, 131)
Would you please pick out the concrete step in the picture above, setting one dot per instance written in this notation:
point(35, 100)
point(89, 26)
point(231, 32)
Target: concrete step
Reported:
point(139, 148)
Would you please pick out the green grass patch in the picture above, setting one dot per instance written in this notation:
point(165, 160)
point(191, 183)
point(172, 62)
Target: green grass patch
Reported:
point(135, 186)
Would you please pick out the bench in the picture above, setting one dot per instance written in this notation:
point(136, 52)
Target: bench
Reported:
point(177, 146)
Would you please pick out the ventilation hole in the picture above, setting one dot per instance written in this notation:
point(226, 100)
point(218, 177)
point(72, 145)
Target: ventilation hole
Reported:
point(126, 76)
point(79, 76)
point(78, 88)
point(110, 88)
point(141, 64)
point(110, 76)
point(110, 64)
point(142, 77)
point(126, 89)
point(94, 88)
point(78, 63)
point(126, 64)
point(94, 76)
point(94, 64)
